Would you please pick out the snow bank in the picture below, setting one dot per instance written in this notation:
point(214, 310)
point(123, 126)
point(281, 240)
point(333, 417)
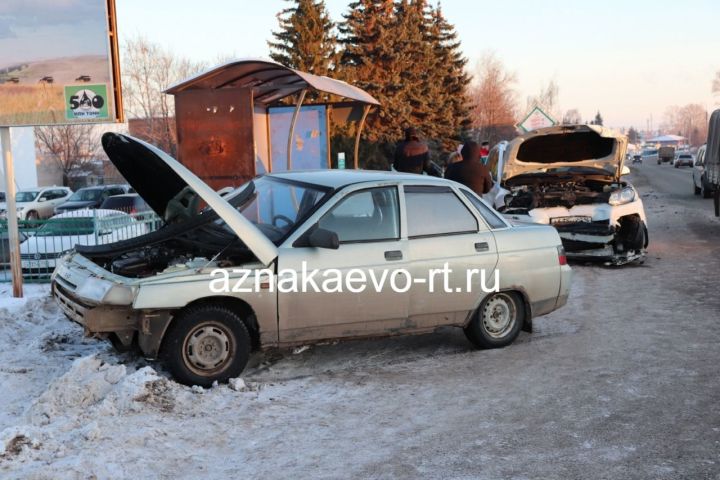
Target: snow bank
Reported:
point(92, 386)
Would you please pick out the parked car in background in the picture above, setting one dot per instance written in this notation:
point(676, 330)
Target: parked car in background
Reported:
point(90, 197)
point(80, 227)
point(157, 290)
point(712, 159)
point(650, 155)
point(666, 155)
point(131, 203)
point(683, 159)
point(37, 203)
point(2, 197)
point(570, 176)
point(700, 182)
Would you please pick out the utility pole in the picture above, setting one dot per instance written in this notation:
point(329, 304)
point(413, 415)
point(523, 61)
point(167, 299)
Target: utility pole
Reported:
point(11, 211)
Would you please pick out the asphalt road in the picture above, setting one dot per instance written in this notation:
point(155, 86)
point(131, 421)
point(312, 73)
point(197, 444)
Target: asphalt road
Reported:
point(622, 383)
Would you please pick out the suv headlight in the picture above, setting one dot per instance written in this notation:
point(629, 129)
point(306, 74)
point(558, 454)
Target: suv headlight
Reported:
point(622, 196)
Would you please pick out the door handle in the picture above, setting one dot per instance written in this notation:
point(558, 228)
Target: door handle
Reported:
point(393, 255)
point(482, 247)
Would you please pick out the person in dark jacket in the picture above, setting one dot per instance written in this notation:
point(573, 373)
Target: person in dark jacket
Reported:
point(412, 154)
point(470, 171)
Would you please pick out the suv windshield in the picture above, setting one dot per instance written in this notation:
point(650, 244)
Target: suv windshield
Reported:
point(26, 196)
point(86, 195)
point(276, 206)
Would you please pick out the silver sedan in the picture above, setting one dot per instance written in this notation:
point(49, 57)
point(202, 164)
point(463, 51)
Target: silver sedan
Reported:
point(299, 257)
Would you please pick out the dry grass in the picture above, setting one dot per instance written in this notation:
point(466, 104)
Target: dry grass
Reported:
point(31, 104)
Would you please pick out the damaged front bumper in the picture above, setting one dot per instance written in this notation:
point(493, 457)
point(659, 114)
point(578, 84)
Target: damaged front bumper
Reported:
point(596, 241)
point(72, 287)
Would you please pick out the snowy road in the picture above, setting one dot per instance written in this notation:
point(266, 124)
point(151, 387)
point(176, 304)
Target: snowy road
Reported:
point(622, 383)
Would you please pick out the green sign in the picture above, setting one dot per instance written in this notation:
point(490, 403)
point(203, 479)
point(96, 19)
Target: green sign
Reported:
point(86, 102)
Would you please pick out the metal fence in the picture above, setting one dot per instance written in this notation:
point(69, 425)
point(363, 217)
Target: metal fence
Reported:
point(43, 241)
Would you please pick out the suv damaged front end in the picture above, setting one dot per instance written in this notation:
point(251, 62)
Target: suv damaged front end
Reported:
point(570, 177)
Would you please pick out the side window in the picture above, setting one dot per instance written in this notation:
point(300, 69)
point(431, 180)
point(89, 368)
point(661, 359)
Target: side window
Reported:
point(700, 158)
point(492, 218)
point(436, 211)
point(365, 216)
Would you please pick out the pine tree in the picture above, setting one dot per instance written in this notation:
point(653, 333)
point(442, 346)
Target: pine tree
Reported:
point(306, 40)
point(453, 117)
point(371, 61)
point(598, 119)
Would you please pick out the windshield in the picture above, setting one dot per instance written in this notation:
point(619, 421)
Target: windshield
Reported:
point(83, 195)
point(26, 196)
point(67, 226)
point(276, 206)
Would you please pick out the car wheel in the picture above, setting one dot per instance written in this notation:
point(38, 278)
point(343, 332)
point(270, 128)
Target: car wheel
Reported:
point(206, 343)
point(706, 192)
point(696, 190)
point(32, 215)
point(497, 322)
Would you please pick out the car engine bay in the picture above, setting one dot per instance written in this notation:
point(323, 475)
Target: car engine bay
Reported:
point(530, 192)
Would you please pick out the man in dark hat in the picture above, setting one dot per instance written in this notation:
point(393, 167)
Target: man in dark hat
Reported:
point(412, 154)
point(470, 171)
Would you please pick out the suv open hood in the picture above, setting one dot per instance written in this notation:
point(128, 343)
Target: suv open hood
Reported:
point(588, 146)
point(157, 178)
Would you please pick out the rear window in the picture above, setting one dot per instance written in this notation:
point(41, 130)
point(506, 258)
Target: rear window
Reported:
point(117, 202)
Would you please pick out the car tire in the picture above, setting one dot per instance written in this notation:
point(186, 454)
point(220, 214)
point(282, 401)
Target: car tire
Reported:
point(498, 321)
point(205, 344)
point(32, 215)
point(696, 190)
point(704, 190)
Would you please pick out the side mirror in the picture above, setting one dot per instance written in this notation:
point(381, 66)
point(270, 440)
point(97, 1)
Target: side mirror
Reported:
point(322, 238)
point(625, 170)
point(42, 199)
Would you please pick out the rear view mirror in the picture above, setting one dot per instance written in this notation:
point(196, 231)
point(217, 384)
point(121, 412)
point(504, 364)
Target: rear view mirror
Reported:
point(322, 238)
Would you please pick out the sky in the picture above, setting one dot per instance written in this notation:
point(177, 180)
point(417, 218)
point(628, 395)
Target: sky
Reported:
point(44, 29)
point(627, 60)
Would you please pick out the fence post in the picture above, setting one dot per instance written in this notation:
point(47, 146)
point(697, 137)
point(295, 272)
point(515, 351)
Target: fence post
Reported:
point(95, 226)
point(13, 229)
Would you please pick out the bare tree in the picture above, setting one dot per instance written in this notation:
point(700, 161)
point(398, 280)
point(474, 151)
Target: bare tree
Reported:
point(547, 99)
point(148, 70)
point(572, 117)
point(494, 100)
point(689, 121)
point(70, 147)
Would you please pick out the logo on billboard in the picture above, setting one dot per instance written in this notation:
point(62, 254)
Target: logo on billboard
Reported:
point(86, 102)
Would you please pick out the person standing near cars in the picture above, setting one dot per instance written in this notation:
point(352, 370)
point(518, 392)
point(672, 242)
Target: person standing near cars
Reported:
point(412, 154)
point(470, 171)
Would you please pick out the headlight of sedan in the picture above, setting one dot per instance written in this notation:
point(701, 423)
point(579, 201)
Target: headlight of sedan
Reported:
point(622, 196)
point(103, 291)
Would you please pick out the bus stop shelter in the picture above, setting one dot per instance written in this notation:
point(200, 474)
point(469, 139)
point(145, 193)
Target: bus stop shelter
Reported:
point(249, 116)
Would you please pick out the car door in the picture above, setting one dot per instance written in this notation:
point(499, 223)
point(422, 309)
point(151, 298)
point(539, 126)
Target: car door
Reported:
point(450, 247)
point(46, 207)
point(367, 222)
point(58, 196)
point(699, 168)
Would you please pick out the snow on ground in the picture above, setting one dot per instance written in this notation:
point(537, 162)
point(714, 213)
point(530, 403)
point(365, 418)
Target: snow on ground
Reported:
point(611, 386)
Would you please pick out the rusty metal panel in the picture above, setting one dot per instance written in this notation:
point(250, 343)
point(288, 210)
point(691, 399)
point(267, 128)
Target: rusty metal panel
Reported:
point(215, 135)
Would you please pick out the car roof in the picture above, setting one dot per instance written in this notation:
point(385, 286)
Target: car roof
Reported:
point(341, 178)
point(125, 195)
point(88, 213)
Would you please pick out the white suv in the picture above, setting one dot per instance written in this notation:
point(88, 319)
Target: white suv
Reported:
point(37, 203)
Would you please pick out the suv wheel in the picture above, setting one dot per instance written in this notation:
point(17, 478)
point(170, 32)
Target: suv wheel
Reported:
point(32, 215)
point(498, 321)
point(206, 343)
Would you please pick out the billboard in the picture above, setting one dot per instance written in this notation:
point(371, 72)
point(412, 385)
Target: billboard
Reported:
point(59, 62)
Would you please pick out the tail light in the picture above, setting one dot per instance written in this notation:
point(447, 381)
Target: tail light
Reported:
point(562, 259)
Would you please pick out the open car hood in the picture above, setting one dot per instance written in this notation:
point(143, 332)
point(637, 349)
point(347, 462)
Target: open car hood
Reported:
point(587, 146)
point(157, 178)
